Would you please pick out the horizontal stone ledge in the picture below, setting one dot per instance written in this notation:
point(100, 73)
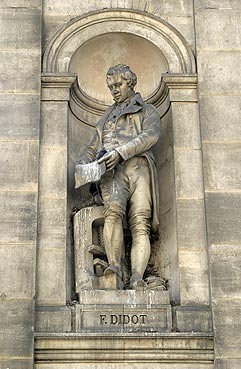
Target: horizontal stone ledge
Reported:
point(207, 93)
point(182, 88)
point(155, 347)
point(56, 87)
point(100, 297)
point(53, 80)
point(18, 91)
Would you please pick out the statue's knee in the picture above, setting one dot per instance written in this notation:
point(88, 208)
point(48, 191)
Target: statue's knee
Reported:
point(114, 214)
point(140, 226)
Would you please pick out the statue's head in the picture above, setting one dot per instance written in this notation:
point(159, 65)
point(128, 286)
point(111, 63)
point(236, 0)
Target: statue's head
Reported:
point(121, 82)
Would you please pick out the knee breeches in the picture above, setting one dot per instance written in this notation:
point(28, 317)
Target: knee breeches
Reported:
point(126, 190)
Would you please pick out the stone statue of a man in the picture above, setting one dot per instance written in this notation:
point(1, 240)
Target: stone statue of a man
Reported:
point(127, 131)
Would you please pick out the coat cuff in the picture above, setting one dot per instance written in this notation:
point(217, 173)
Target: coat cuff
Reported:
point(122, 153)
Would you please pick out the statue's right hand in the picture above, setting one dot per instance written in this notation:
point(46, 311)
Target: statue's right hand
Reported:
point(111, 159)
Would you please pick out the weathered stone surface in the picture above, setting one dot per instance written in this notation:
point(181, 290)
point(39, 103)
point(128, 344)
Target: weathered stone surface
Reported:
point(56, 87)
point(17, 271)
point(194, 284)
point(79, 134)
point(51, 25)
point(123, 318)
point(179, 16)
point(124, 366)
point(182, 88)
point(52, 277)
point(22, 176)
point(18, 216)
point(222, 166)
point(54, 123)
point(228, 363)
point(52, 223)
point(188, 171)
point(218, 46)
point(182, 21)
point(55, 94)
point(21, 3)
point(216, 71)
point(118, 351)
point(125, 296)
point(22, 114)
point(83, 237)
point(164, 148)
point(22, 74)
point(159, 7)
point(53, 166)
point(167, 253)
point(215, 5)
point(186, 130)
point(191, 227)
point(194, 319)
point(16, 329)
point(223, 217)
point(220, 117)
point(225, 266)
point(123, 311)
point(211, 25)
point(167, 188)
point(20, 40)
point(53, 320)
point(16, 363)
point(26, 30)
point(227, 327)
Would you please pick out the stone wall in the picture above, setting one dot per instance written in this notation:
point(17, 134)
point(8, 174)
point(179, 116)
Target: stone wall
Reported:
point(20, 55)
point(218, 39)
point(213, 30)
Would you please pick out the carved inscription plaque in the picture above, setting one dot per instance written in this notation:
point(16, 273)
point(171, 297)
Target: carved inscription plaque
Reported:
point(123, 318)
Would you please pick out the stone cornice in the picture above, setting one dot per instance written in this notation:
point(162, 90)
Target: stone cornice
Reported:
point(56, 86)
point(99, 348)
point(173, 87)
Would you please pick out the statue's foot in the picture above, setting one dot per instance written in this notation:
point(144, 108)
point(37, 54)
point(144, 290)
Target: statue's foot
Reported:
point(112, 269)
point(137, 283)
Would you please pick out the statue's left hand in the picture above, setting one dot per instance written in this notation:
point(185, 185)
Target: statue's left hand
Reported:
point(111, 159)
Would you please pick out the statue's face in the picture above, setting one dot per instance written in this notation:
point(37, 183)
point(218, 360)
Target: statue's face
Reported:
point(119, 88)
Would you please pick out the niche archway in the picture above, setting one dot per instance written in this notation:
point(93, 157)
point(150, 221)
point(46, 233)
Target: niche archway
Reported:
point(176, 98)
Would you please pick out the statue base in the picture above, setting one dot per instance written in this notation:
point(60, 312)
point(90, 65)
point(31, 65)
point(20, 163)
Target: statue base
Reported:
point(125, 311)
point(110, 282)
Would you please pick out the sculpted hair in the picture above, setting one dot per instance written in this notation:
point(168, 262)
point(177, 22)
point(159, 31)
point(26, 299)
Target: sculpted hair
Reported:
point(125, 72)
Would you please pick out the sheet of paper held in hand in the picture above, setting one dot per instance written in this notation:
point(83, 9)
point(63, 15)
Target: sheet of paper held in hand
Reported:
point(87, 173)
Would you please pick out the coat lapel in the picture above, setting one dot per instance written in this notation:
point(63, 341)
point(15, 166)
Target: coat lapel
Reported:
point(135, 105)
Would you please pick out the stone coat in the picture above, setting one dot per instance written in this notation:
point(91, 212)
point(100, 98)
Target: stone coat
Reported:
point(137, 131)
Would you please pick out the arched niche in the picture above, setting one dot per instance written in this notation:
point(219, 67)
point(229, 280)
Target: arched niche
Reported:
point(92, 60)
point(140, 32)
point(179, 156)
point(68, 39)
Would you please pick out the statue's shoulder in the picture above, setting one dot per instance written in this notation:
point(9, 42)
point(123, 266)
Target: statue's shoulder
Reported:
point(146, 108)
point(106, 114)
point(150, 109)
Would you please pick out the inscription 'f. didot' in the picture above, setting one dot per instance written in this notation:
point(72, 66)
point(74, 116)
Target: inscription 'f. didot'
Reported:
point(123, 319)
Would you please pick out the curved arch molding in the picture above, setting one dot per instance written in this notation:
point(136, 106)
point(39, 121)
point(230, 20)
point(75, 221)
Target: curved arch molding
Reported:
point(65, 43)
point(69, 38)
